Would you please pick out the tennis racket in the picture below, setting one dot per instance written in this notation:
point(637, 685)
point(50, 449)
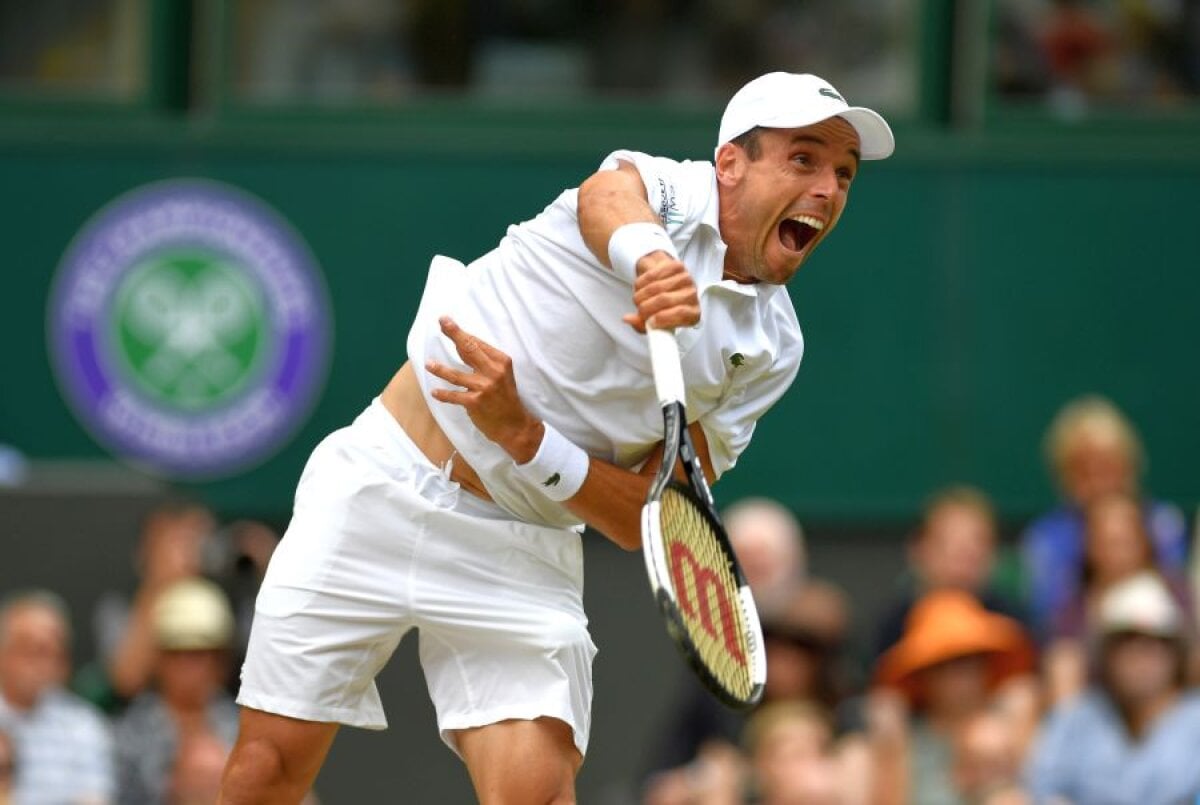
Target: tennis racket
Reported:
point(693, 571)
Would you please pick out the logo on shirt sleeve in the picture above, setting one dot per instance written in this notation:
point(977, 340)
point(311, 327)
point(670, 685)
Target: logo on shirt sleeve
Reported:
point(668, 210)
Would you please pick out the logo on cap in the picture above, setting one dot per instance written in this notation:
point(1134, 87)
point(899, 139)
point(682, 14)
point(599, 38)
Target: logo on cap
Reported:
point(189, 328)
point(829, 93)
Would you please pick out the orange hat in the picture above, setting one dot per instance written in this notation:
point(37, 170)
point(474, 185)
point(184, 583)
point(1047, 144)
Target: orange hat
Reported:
point(945, 625)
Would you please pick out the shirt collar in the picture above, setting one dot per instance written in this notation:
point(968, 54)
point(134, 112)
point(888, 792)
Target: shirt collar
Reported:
point(710, 217)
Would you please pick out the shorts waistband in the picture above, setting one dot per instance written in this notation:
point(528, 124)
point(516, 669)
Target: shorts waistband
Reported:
point(432, 481)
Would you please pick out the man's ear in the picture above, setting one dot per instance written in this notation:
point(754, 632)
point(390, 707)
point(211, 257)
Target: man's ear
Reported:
point(730, 163)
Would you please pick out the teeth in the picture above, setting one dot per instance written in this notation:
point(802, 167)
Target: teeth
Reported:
point(815, 223)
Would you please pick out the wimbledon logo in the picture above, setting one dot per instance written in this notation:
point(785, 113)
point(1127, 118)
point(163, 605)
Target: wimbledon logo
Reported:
point(189, 328)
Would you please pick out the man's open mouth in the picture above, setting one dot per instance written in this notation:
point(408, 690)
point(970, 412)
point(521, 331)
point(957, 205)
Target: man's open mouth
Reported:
point(797, 231)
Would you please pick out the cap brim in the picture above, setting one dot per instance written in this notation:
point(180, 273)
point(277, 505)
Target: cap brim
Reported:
point(874, 134)
point(875, 140)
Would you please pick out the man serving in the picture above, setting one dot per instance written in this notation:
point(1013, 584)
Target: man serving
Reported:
point(527, 409)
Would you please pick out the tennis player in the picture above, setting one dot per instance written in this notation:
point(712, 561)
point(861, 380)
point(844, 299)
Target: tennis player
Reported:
point(454, 503)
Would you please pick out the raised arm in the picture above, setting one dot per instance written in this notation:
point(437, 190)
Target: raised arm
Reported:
point(610, 201)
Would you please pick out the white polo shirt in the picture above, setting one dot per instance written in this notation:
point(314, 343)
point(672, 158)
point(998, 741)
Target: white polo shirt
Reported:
point(543, 298)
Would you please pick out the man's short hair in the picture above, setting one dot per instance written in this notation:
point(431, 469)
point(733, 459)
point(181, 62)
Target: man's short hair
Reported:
point(749, 142)
point(960, 496)
point(37, 599)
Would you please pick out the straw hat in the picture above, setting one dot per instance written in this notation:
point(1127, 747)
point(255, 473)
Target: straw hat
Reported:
point(193, 614)
point(946, 625)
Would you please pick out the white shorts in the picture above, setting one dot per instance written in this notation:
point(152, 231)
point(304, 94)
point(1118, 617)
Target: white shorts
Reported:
point(381, 542)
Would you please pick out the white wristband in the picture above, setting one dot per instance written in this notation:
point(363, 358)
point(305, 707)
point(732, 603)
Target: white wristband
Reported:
point(558, 468)
point(632, 242)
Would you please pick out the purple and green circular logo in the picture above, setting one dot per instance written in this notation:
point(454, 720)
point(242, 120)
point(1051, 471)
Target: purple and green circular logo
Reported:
point(189, 328)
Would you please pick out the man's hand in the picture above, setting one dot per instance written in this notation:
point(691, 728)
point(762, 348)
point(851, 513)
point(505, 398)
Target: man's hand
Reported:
point(489, 394)
point(664, 293)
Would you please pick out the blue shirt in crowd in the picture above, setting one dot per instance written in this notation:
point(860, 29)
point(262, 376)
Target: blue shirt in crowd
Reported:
point(1085, 755)
point(63, 751)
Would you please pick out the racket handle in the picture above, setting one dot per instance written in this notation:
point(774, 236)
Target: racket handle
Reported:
point(664, 360)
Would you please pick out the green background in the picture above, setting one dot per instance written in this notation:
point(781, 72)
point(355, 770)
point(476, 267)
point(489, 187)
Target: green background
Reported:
point(975, 284)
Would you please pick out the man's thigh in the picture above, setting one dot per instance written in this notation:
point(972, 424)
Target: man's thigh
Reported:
point(520, 761)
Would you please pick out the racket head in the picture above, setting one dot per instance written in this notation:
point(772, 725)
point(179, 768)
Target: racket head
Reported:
point(703, 596)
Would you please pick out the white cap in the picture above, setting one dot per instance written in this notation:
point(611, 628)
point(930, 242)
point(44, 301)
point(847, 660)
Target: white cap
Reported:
point(791, 100)
point(1141, 604)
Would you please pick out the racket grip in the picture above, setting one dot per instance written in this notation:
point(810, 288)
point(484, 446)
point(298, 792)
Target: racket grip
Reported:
point(664, 360)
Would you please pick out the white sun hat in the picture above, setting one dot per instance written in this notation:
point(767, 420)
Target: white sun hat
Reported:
point(1141, 604)
point(193, 614)
point(794, 100)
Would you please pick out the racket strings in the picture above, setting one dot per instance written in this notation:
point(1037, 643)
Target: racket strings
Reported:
point(707, 593)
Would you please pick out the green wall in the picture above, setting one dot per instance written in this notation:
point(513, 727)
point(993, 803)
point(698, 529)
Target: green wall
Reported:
point(974, 284)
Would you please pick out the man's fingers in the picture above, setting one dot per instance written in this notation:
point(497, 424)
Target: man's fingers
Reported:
point(468, 380)
point(463, 398)
point(634, 321)
point(469, 348)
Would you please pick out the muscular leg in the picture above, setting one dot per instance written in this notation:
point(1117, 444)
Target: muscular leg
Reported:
point(521, 762)
point(275, 759)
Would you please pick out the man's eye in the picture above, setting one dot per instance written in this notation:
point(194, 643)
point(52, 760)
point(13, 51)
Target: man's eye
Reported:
point(846, 174)
point(801, 159)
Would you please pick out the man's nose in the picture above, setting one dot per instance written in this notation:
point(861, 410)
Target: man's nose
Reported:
point(825, 183)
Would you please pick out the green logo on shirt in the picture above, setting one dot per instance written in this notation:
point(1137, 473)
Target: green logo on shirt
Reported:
point(737, 359)
point(552, 480)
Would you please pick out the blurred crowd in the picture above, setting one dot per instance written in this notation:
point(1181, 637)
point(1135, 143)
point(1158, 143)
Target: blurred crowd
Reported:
point(1059, 667)
point(1078, 54)
point(370, 51)
point(151, 718)
point(1073, 56)
point(1064, 669)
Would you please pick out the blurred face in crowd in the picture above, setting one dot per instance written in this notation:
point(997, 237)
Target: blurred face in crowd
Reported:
point(189, 679)
point(770, 553)
point(987, 755)
point(1097, 463)
point(776, 208)
point(33, 653)
point(956, 687)
point(1117, 545)
point(1139, 668)
point(792, 765)
point(956, 548)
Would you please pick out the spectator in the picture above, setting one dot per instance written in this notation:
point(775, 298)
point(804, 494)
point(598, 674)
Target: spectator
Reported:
point(793, 757)
point(952, 664)
point(1094, 452)
point(1116, 548)
point(171, 548)
point(179, 540)
point(770, 548)
point(193, 626)
point(1132, 738)
point(8, 766)
point(954, 549)
point(63, 743)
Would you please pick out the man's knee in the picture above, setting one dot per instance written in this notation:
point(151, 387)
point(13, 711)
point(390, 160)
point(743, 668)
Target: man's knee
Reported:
point(256, 772)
